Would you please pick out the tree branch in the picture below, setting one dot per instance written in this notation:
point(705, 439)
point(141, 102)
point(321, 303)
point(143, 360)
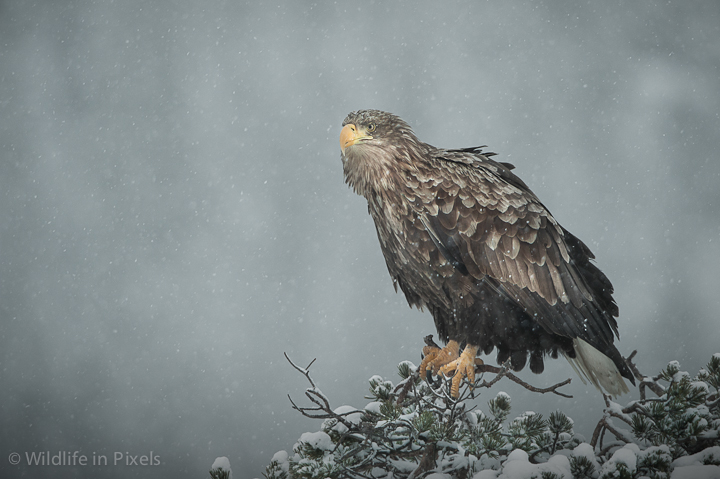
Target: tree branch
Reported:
point(504, 372)
point(603, 425)
point(319, 399)
point(644, 382)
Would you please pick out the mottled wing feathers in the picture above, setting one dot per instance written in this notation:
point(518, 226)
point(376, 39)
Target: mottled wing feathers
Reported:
point(471, 156)
point(486, 222)
point(445, 243)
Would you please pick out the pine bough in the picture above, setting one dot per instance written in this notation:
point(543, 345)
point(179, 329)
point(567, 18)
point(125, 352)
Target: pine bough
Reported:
point(412, 430)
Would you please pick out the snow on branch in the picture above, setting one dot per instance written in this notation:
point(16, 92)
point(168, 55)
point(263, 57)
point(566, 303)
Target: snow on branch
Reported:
point(412, 430)
point(685, 417)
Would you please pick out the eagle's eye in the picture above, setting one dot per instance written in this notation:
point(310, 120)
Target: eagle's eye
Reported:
point(371, 127)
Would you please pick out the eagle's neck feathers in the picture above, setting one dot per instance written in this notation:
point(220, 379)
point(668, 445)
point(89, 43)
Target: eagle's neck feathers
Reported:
point(378, 170)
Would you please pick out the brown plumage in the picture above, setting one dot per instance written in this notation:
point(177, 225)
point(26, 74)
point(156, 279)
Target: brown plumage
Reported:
point(465, 238)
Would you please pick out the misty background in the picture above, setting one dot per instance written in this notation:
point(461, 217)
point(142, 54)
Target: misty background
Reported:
point(173, 214)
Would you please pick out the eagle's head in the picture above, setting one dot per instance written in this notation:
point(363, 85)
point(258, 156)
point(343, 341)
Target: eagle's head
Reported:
point(375, 145)
point(372, 127)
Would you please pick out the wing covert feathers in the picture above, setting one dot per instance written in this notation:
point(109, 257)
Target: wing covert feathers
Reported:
point(498, 229)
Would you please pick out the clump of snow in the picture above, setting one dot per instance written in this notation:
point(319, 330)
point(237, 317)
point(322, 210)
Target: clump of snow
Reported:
point(586, 450)
point(373, 407)
point(518, 466)
point(702, 457)
point(617, 409)
point(354, 415)
point(557, 462)
point(700, 385)
point(351, 415)
point(472, 417)
point(486, 474)
point(410, 365)
point(517, 455)
point(282, 458)
point(625, 456)
point(318, 440)
point(223, 463)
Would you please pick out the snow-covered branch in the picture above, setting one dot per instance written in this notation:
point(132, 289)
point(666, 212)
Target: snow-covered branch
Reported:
point(412, 430)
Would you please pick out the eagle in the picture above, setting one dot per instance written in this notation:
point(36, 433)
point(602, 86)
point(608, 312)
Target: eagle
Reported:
point(465, 238)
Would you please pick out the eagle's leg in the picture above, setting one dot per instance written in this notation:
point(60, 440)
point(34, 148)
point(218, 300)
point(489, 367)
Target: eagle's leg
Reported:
point(464, 366)
point(435, 358)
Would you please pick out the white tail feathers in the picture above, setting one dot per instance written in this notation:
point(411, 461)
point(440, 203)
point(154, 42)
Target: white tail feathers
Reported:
point(591, 364)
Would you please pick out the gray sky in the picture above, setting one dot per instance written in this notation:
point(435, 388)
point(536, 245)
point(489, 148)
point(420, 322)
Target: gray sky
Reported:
point(174, 216)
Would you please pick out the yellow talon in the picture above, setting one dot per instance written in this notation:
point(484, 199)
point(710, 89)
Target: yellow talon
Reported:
point(436, 358)
point(447, 361)
point(464, 366)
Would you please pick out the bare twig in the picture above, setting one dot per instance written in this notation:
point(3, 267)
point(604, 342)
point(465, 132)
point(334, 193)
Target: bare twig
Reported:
point(319, 399)
point(605, 425)
point(503, 372)
point(652, 385)
point(600, 429)
point(406, 385)
point(305, 371)
point(631, 365)
point(596, 433)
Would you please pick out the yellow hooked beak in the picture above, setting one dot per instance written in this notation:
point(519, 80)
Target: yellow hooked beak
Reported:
point(350, 135)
